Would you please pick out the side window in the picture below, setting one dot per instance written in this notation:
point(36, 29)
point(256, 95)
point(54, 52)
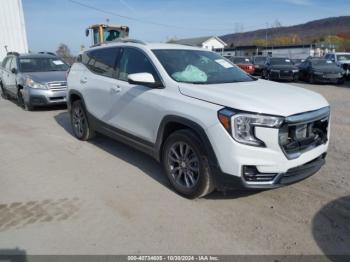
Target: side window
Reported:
point(134, 61)
point(8, 63)
point(13, 63)
point(102, 61)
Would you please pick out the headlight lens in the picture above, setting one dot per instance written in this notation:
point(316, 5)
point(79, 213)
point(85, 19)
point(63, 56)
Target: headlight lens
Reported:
point(241, 126)
point(31, 83)
point(295, 70)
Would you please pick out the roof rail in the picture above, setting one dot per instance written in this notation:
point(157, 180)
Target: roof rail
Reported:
point(123, 40)
point(47, 53)
point(13, 53)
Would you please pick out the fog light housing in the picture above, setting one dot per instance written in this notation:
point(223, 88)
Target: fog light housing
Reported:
point(251, 174)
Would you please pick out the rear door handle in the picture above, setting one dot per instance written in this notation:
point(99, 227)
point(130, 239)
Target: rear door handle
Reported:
point(83, 80)
point(115, 90)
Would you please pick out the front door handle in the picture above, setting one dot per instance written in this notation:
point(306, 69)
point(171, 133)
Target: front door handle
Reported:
point(115, 90)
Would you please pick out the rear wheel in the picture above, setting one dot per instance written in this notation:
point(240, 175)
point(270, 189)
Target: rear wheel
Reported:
point(79, 121)
point(311, 79)
point(186, 164)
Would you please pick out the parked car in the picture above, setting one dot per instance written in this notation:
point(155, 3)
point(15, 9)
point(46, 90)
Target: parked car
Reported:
point(210, 124)
point(34, 79)
point(297, 61)
point(342, 60)
point(320, 70)
point(259, 64)
point(280, 68)
point(244, 63)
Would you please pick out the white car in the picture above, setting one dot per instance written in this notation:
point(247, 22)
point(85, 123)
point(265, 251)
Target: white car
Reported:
point(211, 125)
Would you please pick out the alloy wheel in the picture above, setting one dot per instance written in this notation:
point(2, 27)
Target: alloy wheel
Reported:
point(183, 164)
point(79, 121)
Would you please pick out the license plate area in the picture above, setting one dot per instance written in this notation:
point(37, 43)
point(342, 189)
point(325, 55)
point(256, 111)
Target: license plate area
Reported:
point(296, 139)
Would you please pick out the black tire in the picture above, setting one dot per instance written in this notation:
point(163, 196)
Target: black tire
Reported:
point(79, 122)
point(311, 79)
point(194, 179)
point(20, 100)
point(341, 81)
point(4, 94)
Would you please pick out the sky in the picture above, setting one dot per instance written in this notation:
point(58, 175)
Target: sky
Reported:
point(51, 22)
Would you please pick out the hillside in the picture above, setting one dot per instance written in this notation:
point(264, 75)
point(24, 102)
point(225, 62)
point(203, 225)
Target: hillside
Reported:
point(304, 33)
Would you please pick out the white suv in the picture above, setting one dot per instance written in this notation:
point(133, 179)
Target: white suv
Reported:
point(210, 124)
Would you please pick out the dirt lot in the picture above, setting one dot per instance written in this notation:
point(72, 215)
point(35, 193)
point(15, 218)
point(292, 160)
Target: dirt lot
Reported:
point(62, 196)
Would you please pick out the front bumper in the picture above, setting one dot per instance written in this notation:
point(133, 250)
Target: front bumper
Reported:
point(44, 97)
point(327, 79)
point(271, 161)
point(225, 181)
point(280, 75)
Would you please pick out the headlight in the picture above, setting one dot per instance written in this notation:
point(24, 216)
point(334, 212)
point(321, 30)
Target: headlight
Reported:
point(241, 126)
point(31, 83)
point(318, 73)
point(295, 70)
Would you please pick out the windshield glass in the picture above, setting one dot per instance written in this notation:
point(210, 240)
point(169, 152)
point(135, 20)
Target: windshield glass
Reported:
point(42, 65)
point(241, 60)
point(280, 61)
point(259, 59)
point(321, 62)
point(343, 57)
point(200, 67)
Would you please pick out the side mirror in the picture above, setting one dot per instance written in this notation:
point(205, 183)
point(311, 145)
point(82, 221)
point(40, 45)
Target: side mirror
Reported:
point(14, 71)
point(87, 32)
point(145, 79)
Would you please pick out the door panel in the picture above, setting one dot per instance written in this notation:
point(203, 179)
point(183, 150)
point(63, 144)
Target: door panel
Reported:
point(135, 109)
point(13, 77)
point(98, 83)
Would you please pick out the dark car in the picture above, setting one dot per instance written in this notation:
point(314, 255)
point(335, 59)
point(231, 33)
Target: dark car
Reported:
point(320, 70)
point(244, 63)
point(280, 68)
point(297, 61)
point(259, 64)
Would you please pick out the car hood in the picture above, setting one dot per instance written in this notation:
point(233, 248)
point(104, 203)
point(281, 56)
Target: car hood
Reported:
point(344, 62)
point(45, 77)
point(284, 67)
point(259, 96)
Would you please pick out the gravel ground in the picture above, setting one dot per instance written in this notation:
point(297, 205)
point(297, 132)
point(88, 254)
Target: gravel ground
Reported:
point(62, 196)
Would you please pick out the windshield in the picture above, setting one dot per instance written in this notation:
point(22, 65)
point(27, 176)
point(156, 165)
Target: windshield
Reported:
point(241, 60)
point(343, 57)
point(42, 65)
point(280, 61)
point(200, 67)
point(260, 59)
point(321, 62)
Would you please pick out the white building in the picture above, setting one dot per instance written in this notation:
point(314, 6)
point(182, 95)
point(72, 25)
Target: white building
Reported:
point(207, 42)
point(13, 35)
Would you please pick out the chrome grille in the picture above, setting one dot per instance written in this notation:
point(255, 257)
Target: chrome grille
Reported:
point(57, 85)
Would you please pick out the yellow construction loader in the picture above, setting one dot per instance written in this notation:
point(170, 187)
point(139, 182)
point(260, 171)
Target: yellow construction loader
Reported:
point(103, 33)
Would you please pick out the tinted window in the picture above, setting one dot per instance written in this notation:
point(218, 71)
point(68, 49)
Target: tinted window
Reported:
point(102, 61)
point(199, 67)
point(241, 60)
point(134, 61)
point(260, 59)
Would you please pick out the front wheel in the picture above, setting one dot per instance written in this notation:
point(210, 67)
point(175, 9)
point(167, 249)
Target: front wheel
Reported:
point(186, 164)
point(79, 121)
